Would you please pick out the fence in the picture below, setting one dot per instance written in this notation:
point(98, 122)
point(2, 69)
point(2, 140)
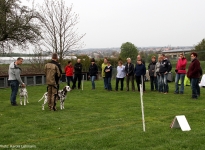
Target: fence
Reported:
point(34, 79)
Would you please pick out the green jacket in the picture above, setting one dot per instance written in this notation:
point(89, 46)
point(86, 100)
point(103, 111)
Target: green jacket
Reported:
point(103, 68)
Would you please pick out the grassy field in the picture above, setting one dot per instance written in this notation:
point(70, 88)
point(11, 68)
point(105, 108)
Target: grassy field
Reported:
point(97, 119)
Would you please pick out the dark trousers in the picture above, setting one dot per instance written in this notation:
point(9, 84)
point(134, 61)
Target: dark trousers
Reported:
point(153, 83)
point(69, 78)
point(128, 79)
point(14, 90)
point(195, 87)
point(139, 81)
point(117, 82)
point(77, 77)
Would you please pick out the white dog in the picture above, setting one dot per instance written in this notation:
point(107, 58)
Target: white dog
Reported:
point(23, 94)
point(61, 94)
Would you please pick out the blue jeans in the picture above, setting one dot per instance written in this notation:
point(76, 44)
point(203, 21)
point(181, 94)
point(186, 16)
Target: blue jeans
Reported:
point(108, 82)
point(163, 83)
point(92, 78)
point(177, 78)
point(159, 83)
point(14, 90)
point(195, 87)
point(105, 83)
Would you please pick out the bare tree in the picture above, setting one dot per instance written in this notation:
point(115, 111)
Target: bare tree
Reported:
point(59, 27)
point(38, 60)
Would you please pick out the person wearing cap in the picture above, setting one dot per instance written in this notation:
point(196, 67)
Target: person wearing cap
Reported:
point(93, 72)
point(15, 79)
point(69, 72)
point(108, 75)
point(153, 78)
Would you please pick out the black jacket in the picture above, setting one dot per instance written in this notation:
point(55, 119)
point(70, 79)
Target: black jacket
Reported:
point(78, 68)
point(93, 70)
point(165, 66)
point(151, 68)
point(109, 73)
point(129, 70)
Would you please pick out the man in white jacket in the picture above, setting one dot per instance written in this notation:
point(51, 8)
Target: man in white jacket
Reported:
point(15, 79)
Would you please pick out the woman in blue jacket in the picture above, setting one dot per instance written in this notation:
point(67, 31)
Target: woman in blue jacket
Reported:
point(140, 70)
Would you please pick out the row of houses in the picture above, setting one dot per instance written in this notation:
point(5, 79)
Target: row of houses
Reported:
point(176, 52)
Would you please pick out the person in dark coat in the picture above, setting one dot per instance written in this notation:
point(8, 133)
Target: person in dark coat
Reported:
point(93, 72)
point(194, 75)
point(129, 69)
point(108, 75)
point(140, 71)
point(164, 69)
point(77, 74)
point(153, 77)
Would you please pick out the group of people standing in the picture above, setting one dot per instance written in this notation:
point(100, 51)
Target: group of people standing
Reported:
point(158, 71)
point(128, 71)
point(76, 71)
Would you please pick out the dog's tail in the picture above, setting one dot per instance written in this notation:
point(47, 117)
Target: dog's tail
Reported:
point(42, 97)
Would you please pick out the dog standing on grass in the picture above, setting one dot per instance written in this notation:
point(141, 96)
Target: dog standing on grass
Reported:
point(61, 96)
point(23, 95)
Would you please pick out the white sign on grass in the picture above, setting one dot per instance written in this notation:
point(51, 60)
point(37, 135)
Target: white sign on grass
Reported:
point(180, 122)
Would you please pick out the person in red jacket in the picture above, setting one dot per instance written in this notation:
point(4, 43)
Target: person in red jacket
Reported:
point(69, 72)
point(194, 75)
point(180, 73)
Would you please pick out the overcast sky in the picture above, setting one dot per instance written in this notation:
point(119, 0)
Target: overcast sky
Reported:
point(109, 23)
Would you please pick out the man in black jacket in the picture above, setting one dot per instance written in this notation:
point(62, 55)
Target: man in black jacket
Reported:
point(153, 78)
point(77, 74)
point(129, 69)
point(164, 69)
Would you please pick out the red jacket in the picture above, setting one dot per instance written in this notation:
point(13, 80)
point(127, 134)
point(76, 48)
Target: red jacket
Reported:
point(194, 69)
point(69, 70)
point(181, 66)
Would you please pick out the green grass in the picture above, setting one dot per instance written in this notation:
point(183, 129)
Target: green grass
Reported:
point(97, 119)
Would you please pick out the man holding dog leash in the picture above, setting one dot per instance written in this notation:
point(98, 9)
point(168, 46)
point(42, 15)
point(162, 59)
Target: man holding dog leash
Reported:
point(15, 79)
point(53, 74)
